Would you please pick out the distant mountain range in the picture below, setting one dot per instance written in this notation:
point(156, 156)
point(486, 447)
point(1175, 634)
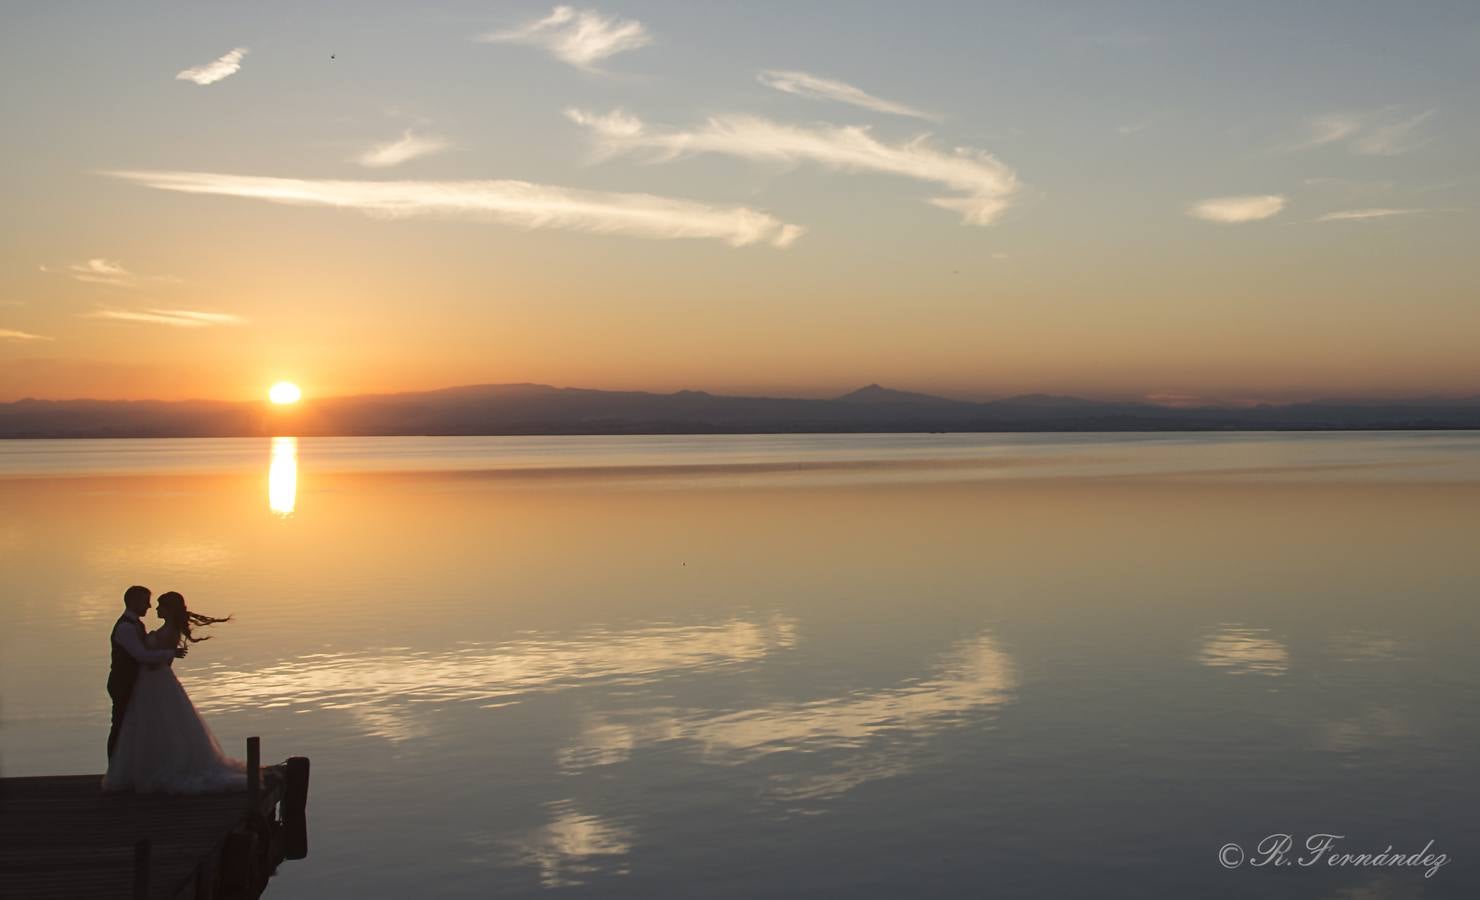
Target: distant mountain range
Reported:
point(541, 409)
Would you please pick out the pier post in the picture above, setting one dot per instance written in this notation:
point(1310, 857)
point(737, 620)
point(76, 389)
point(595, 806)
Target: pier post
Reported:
point(141, 869)
point(254, 771)
point(294, 808)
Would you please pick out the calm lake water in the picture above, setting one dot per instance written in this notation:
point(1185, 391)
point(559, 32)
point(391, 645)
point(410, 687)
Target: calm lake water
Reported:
point(877, 666)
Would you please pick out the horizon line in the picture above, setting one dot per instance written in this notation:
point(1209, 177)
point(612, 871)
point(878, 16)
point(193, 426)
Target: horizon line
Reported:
point(1163, 399)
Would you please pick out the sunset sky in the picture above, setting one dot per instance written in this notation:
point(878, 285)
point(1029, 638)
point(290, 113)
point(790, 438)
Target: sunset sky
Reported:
point(1176, 201)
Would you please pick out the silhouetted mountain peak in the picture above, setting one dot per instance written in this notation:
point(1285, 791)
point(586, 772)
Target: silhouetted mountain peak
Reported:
point(875, 393)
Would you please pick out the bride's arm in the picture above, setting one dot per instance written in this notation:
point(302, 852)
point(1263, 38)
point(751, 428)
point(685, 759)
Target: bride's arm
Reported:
point(166, 638)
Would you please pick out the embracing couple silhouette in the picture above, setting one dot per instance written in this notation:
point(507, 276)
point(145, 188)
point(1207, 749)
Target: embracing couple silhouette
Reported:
point(158, 742)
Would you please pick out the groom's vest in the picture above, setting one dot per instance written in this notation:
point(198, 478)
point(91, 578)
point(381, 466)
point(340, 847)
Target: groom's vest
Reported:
point(124, 668)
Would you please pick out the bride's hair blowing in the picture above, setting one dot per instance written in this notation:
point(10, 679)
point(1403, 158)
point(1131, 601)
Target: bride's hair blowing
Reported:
point(172, 608)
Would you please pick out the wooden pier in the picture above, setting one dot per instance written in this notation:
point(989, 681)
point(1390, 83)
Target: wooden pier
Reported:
point(61, 836)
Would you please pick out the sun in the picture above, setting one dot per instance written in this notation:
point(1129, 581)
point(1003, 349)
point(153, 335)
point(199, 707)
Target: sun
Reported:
point(284, 392)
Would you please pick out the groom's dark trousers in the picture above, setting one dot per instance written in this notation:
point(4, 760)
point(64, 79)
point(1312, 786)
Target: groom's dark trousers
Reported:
point(122, 674)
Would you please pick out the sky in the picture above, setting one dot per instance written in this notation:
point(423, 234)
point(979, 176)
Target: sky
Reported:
point(1182, 202)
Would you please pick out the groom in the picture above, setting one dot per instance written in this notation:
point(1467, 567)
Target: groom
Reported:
point(130, 650)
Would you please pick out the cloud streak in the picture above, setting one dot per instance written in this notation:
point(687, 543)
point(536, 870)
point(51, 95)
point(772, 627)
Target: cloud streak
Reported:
point(1394, 138)
point(581, 38)
point(1233, 210)
point(177, 318)
point(10, 334)
point(814, 87)
point(214, 71)
point(393, 153)
point(1329, 129)
point(519, 203)
point(1353, 215)
point(984, 185)
point(109, 272)
point(1375, 133)
point(99, 271)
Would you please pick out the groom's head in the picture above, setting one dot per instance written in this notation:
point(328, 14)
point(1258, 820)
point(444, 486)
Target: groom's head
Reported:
point(136, 599)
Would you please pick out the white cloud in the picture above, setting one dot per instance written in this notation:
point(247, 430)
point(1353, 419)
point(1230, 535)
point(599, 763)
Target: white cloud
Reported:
point(214, 71)
point(519, 203)
point(804, 84)
point(1374, 133)
point(1349, 215)
point(579, 37)
point(986, 185)
point(10, 334)
point(1238, 209)
point(407, 148)
point(179, 318)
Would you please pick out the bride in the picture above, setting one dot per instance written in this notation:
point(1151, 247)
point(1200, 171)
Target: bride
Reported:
point(165, 746)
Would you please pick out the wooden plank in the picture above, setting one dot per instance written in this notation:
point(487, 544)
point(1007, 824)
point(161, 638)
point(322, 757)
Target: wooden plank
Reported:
point(62, 836)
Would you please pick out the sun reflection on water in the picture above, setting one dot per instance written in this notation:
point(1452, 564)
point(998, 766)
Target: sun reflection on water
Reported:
point(282, 476)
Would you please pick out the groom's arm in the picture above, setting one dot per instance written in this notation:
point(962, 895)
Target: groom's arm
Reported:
point(128, 638)
point(152, 639)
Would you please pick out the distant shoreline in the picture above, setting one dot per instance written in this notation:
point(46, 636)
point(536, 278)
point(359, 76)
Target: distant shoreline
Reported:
point(1171, 429)
point(541, 410)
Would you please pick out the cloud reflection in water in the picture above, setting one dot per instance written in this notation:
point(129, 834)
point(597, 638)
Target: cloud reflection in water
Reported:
point(1244, 651)
point(868, 735)
point(1357, 646)
point(380, 688)
point(575, 845)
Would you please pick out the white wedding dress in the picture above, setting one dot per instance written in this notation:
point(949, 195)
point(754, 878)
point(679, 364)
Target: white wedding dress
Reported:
point(165, 746)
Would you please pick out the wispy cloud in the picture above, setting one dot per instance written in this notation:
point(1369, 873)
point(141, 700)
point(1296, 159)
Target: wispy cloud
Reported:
point(408, 147)
point(1329, 129)
point(103, 271)
point(108, 272)
point(804, 84)
point(1375, 133)
point(1393, 138)
point(10, 334)
point(214, 71)
point(519, 203)
point(1237, 209)
point(1351, 215)
point(178, 318)
point(1350, 187)
point(986, 185)
point(579, 37)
